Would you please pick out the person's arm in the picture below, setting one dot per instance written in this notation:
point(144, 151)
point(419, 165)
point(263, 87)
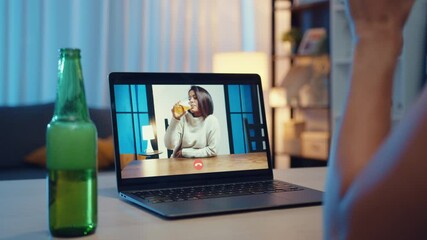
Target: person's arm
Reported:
point(368, 170)
point(173, 134)
point(213, 138)
point(366, 120)
point(387, 199)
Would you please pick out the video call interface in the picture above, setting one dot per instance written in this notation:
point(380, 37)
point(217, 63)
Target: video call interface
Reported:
point(167, 130)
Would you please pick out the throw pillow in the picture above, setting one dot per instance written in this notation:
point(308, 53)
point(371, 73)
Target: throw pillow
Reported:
point(105, 154)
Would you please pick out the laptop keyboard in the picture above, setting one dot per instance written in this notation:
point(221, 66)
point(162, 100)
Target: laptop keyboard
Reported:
point(215, 191)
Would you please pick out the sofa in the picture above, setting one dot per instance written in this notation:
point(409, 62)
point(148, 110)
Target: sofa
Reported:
point(23, 132)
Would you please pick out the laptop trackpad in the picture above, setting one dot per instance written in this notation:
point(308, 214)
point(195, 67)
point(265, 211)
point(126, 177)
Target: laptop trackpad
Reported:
point(251, 202)
point(220, 205)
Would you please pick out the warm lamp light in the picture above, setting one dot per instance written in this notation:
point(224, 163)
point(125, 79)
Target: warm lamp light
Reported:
point(243, 62)
point(277, 97)
point(148, 135)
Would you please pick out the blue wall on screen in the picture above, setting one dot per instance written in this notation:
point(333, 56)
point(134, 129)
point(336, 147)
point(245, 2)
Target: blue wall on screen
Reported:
point(132, 108)
point(246, 98)
point(125, 133)
point(240, 103)
point(122, 98)
point(238, 133)
point(139, 98)
point(234, 93)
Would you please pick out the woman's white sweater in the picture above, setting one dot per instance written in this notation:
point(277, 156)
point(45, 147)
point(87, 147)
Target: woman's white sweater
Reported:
point(197, 137)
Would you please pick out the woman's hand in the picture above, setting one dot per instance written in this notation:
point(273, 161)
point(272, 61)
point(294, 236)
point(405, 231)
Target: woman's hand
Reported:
point(377, 27)
point(379, 24)
point(177, 114)
point(379, 18)
point(178, 153)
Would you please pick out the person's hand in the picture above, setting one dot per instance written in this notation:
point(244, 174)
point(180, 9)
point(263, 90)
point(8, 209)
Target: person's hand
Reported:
point(384, 18)
point(176, 115)
point(178, 153)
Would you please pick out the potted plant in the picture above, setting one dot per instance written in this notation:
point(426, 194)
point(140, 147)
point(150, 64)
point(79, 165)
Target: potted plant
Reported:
point(293, 36)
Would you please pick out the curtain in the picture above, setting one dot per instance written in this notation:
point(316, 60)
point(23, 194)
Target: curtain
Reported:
point(128, 35)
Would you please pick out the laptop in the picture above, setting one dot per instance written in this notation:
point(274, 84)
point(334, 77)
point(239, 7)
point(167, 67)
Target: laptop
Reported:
point(196, 144)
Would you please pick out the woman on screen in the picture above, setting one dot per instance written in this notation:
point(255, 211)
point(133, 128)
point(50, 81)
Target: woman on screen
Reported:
point(193, 132)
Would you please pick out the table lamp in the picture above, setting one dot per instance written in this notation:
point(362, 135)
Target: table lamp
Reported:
point(243, 62)
point(277, 97)
point(148, 135)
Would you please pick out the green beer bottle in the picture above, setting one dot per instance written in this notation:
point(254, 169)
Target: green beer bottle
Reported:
point(71, 141)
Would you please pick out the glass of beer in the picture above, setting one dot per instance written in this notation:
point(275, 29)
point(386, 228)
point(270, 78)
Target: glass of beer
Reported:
point(181, 107)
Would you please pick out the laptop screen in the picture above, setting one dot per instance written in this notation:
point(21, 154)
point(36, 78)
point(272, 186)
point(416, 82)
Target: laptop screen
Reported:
point(170, 124)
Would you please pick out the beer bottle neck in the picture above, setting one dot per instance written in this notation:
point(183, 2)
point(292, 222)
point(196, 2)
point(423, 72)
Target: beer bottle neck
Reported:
point(70, 102)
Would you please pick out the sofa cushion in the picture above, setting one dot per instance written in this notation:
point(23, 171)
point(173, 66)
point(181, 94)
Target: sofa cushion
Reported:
point(102, 119)
point(23, 130)
point(105, 158)
point(22, 173)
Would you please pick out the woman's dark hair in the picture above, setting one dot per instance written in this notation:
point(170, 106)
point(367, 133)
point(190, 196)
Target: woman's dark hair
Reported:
point(204, 99)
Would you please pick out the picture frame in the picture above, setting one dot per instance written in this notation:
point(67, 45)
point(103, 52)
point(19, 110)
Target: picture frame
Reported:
point(313, 42)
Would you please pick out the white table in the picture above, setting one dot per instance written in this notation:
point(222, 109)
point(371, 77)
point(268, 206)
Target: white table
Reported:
point(23, 215)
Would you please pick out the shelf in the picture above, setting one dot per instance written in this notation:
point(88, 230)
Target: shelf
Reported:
point(310, 6)
point(284, 56)
point(316, 114)
point(310, 56)
point(295, 56)
point(342, 61)
point(327, 107)
point(307, 157)
point(298, 161)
